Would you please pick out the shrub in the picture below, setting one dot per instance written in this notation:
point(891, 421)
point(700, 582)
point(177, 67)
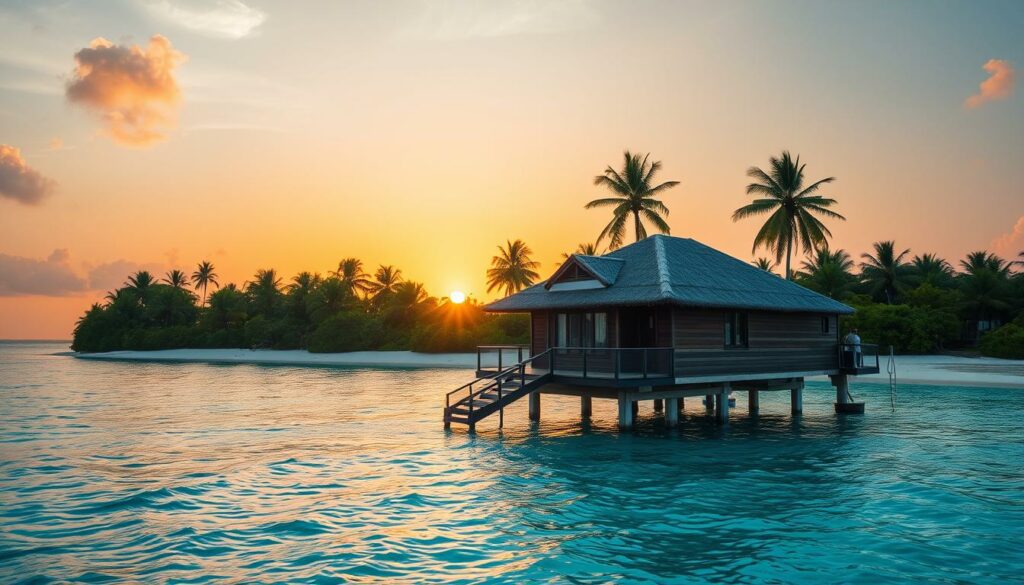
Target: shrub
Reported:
point(908, 329)
point(1005, 342)
point(346, 331)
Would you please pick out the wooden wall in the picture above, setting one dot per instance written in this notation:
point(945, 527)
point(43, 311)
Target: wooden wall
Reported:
point(538, 332)
point(777, 342)
point(705, 329)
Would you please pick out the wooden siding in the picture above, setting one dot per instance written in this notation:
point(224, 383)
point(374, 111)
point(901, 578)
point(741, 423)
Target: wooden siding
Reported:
point(789, 330)
point(663, 327)
point(705, 329)
point(538, 332)
point(727, 362)
point(698, 329)
point(777, 342)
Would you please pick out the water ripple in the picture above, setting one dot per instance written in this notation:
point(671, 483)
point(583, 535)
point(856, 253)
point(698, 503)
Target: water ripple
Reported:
point(197, 473)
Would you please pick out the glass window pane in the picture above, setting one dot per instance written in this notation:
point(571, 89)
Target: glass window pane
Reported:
point(600, 329)
point(562, 329)
point(574, 330)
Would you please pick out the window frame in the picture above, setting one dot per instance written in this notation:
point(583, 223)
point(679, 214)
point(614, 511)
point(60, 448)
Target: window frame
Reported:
point(736, 321)
point(585, 325)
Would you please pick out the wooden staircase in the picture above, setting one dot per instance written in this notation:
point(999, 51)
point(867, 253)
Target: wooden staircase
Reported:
point(486, 395)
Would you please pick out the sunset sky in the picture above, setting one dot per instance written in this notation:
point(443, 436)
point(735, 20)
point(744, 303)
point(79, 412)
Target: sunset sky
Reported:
point(422, 134)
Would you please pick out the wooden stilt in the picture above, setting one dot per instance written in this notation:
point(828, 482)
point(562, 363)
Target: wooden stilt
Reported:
point(672, 412)
point(586, 406)
point(659, 405)
point(534, 405)
point(723, 404)
point(753, 401)
point(709, 402)
point(625, 411)
point(796, 399)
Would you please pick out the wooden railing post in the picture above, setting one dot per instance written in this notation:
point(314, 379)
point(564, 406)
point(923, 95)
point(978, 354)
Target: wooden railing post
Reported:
point(584, 362)
point(645, 363)
point(618, 362)
point(499, 358)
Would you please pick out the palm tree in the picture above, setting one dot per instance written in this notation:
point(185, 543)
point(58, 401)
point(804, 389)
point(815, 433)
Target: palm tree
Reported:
point(204, 276)
point(385, 280)
point(584, 249)
point(264, 290)
point(176, 279)
point(512, 269)
point(633, 195)
point(827, 272)
point(985, 287)
point(140, 281)
point(981, 259)
point(350, 271)
point(765, 264)
point(792, 206)
point(885, 272)
point(930, 269)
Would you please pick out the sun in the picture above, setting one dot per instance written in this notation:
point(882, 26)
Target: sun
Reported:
point(457, 296)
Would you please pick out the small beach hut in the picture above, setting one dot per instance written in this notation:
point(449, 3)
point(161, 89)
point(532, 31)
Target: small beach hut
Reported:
point(667, 318)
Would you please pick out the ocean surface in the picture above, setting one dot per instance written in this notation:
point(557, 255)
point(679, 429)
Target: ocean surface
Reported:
point(194, 473)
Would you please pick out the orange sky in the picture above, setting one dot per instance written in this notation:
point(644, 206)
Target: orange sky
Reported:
point(410, 135)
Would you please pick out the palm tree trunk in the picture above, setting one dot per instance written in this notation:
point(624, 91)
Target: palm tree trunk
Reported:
point(789, 252)
point(636, 224)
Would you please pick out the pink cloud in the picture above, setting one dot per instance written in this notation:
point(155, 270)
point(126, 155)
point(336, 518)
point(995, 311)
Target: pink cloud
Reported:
point(998, 86)
point(132, 88)
point(1009, 245)
point(20, 182)
point(29, 276)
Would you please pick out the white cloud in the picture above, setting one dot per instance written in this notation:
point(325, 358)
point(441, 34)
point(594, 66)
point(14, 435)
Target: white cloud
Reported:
point(230, 19)
point(465, 19)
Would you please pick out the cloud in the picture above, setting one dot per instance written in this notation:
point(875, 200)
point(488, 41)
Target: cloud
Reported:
point(229, 19)
point(29, 276)
point(111, 275)
point(466, 19)
point(20, 182)
point(998, 86)
point(132, 88)
point(56, 143)
point(1009, 245)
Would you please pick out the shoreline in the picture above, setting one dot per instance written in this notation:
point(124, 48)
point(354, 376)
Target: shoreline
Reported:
point(933, 370)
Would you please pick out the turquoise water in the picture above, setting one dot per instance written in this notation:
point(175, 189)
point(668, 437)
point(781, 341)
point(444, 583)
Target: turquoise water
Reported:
point(191, 473)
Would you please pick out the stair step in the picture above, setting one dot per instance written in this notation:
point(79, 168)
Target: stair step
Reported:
point(455, 419)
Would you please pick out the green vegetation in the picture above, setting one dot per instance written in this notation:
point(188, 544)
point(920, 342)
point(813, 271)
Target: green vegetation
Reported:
point(919, 305)
point(923, 305)
point(632, 196)
point(345, 311)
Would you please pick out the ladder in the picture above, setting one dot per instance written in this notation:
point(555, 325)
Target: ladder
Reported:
point(486, 395)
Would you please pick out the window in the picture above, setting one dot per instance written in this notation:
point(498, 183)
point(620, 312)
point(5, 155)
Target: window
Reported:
point(582, 330)
point(600, 329)
point(826, 325)
point(735, 329)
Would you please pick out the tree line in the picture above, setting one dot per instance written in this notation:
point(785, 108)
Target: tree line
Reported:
point(918, 304)
point(346, 310)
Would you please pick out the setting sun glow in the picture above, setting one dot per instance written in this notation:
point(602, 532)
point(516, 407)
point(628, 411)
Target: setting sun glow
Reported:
point(458, 297)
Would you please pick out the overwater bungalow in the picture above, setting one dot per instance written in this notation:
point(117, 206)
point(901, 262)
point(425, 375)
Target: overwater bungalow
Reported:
point(662, 320)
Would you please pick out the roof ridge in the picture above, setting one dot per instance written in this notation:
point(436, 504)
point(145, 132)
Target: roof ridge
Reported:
point(664, 281)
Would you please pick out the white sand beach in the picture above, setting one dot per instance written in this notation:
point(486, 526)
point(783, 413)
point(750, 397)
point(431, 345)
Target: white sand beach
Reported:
point(910, 369)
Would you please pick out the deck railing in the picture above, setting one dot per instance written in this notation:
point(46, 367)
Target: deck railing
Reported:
point(609, 363)
point(506, 355)
point(858, 356)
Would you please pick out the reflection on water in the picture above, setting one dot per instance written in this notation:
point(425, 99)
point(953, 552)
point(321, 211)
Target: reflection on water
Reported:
point(244, 473)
